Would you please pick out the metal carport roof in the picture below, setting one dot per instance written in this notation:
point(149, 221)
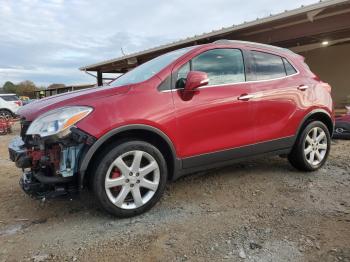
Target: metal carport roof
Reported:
point(302, 27)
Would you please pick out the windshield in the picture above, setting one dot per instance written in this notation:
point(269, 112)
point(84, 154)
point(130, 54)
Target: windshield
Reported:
point(150, 68)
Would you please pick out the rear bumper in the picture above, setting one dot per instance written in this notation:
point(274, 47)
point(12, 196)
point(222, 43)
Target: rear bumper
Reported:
point(343, 135)
point(342, 130)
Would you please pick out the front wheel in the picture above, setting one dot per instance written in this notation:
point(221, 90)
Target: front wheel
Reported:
point(130, 178)
point(311, 150)
point(5, 115)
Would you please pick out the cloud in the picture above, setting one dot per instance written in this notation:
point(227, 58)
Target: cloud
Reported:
point(47, 41)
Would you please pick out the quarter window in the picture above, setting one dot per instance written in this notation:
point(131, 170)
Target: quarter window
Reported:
point(290, 70)
point(267, 66)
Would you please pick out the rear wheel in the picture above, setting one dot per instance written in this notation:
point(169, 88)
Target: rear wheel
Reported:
point(130, 178)
point(311, 150)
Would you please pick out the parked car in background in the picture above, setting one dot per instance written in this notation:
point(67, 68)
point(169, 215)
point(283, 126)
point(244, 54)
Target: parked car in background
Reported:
point(25, 99)
point(9, 105)
point(342, 126)
point(29, 101)
point(188, 110)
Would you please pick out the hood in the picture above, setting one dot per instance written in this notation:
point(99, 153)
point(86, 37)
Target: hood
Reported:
point(85, 97)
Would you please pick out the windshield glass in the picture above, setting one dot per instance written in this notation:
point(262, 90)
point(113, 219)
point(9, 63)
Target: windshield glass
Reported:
point(150, 68)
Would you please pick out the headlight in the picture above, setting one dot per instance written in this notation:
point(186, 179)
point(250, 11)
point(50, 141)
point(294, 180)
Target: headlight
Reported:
point(57, 121)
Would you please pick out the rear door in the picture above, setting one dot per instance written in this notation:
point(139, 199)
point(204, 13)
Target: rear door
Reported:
point(276, 96)
point(214, 118)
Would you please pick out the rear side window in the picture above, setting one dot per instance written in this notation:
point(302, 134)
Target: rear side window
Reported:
point(290, 70)
point(10, 98)
point(267, 66)
point(223, 66)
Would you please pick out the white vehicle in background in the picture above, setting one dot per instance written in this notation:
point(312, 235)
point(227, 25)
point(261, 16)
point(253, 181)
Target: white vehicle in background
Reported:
point(9, 105)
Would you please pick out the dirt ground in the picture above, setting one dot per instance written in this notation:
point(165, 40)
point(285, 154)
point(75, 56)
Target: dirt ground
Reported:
point(258, 210)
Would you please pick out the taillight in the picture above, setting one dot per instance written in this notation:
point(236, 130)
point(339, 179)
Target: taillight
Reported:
point(19, 103)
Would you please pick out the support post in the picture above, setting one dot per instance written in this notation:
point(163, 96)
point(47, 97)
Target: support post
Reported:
point(99, 78)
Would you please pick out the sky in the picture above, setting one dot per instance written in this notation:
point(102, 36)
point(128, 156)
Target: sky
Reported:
point(46, 41)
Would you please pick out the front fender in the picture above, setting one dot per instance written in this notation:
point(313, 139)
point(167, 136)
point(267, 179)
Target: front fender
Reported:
point(89, 154)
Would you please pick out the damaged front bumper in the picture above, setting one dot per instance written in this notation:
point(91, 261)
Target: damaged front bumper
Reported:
point(50, 166)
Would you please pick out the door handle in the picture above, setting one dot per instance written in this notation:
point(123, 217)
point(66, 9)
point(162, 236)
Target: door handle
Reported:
point(303, 87)
point(245, 97)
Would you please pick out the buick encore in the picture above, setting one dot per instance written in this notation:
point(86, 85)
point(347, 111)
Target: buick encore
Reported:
point(188, 110)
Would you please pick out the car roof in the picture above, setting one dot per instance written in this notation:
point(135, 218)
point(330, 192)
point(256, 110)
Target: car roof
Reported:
point(7, 94)
point(265, 47)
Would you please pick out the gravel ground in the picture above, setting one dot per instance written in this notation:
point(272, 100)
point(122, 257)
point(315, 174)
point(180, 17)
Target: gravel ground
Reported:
point(258, 210)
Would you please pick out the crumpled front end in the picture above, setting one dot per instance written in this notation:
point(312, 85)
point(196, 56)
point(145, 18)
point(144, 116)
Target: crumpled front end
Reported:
point(50, 165)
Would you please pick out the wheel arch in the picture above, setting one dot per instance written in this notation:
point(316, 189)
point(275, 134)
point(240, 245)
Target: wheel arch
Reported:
point(317, 115)
point(144, 132)
point(8, 110)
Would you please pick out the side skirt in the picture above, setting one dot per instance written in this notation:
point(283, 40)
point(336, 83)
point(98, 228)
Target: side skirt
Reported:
point(230, 156)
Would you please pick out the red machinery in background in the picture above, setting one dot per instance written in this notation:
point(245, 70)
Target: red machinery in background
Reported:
point(6, 125)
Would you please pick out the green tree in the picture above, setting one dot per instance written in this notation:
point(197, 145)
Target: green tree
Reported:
point(9, 87)
point(26, 88)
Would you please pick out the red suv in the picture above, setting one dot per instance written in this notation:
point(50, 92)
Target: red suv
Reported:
point(188, 110)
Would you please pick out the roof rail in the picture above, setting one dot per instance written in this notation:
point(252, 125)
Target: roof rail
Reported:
point(252, 44)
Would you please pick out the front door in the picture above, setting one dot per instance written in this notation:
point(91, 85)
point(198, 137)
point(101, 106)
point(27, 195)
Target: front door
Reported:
point(217, 117)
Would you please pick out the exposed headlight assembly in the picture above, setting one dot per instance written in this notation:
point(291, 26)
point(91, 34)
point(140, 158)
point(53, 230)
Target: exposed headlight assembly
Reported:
point(58, 121)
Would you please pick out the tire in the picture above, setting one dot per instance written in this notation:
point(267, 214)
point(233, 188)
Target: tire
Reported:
point(127, 172)
point(304, 156)
point(5, 114)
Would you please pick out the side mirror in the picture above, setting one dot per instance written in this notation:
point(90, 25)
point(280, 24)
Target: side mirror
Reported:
point(195, 79)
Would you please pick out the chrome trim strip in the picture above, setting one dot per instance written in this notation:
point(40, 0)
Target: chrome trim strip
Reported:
point(246, 97)
point(303, 87)
point(238, 83)
point(205, 81)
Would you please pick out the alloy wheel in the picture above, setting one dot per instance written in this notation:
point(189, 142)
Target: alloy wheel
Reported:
point(4, 115)
point(315, 146)
point(132, 179)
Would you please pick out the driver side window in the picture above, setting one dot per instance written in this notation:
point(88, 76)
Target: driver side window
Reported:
point(223, 66)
